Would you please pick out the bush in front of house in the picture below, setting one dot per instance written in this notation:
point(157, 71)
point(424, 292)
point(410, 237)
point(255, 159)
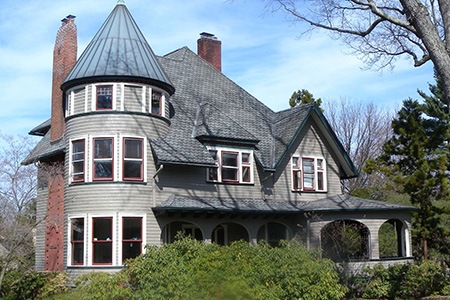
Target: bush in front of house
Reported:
point(189, 269)
point(411, 281)
point(32, 285)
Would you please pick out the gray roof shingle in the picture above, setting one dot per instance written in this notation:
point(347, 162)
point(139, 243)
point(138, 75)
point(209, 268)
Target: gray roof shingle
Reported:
point(339, 203)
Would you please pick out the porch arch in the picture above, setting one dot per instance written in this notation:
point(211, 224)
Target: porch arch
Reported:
point(226, 233)
point(344, 240)
point(273, 233)
point(170, 231)
point(393, 237)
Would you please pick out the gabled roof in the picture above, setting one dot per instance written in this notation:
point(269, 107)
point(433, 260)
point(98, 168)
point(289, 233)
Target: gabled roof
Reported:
point(119, 51)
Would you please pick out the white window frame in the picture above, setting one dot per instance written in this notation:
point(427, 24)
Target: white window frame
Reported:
point(122, 157)
point(113, 158)
point(94, 96)
point(85, 164)
point(120, 234)
point(298, 168)
point(240, 165)
point(162, 104)
point(69, 238)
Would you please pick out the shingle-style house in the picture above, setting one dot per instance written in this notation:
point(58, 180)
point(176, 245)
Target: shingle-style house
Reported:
point(148, 146)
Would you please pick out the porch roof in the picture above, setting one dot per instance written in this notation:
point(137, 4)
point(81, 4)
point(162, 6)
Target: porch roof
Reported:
point(344, 203)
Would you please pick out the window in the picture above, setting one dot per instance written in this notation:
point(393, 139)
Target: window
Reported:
point(78, 161)
point(77, 241)
point(104, 97)
point(308, 174)
point(233, 166)
point(103, 159)
point(131, 237)
point(133, 159)
point(102, 241)
point(157, 103)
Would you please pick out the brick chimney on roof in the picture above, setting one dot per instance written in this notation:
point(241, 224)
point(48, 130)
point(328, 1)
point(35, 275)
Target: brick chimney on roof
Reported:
point(210, 49)
point(64, 58)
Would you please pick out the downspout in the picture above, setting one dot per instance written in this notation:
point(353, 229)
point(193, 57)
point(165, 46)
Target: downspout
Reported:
point(154, 184)
point(307, 215)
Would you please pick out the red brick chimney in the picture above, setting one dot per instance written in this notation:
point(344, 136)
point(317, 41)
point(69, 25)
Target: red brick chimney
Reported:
point(64, 58)
point(210, 49)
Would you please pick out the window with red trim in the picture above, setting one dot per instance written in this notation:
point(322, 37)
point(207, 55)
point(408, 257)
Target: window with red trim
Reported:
point(133, 158)
point(103, 159)
point(77, 241)
point(104, 97)
point(102, 241)
point(131, 237)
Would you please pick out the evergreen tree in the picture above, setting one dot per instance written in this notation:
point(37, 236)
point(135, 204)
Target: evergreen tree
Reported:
point(303, 96)
point(417, 160)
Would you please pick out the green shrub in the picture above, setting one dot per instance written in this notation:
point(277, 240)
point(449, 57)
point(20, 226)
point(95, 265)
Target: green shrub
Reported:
point(32, 284)
point(411, 281)
point(188, 269)
point(100, 285)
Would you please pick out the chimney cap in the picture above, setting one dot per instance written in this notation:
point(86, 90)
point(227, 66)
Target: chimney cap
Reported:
point(68, 19)
point(207, 35)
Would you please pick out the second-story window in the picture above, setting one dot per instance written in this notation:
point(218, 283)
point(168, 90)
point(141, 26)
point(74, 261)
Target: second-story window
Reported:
point(233, 166)
point(78, 160)
point(133, 159)
point(308, 174)
point(104, 97)
point(103, 159)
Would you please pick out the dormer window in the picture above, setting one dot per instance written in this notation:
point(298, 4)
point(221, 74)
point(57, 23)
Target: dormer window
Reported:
point(308, 174)
point(104, 97)
point(233, 166)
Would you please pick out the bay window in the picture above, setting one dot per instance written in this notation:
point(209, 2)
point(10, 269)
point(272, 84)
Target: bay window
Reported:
point(308, 173)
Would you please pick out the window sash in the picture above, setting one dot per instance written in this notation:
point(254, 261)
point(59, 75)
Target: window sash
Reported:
point(78, 157)
point(102, 240)
point(104, 97)
point(309, 175)
point(103, 163)
point(133, 158)
point(156, 103)
point(77, 241)
point(131, 237)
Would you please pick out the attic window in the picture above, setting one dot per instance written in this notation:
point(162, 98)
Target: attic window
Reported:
point(234, 166)
point(104, 97)
point(157, 103)
point(308, 174)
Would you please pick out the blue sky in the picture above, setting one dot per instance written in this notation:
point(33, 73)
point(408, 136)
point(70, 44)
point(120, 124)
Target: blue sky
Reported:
point(262, 52)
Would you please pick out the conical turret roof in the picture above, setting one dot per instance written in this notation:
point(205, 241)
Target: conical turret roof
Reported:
point(118, 51)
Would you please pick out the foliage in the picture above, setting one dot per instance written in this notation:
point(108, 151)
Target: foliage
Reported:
point(33, 285)
point(411, 281)
point(302, 97)
point(101, 285)
point(189, 269)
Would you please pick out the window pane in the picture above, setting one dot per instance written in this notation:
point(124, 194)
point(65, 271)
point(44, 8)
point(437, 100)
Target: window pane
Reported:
point(246, 158)
point(131, 250)
point(103, 148)
point(295, 162)
point(104, 97)
point(102, 253)
point(103, 169)
point(78, 160)
point(156, 103)
point(133, 148)
point(78, 229)
point(78, 167)
point(78, 253)
point(102, 229)
point(78, 147)
point(212, 174)
point(229, 159)
point(229, 174)
point(308, 181)
point(246, 174)
point(132, 228)
point(132, 169)
point(320, 181)
point(308, 166)
point(297, 183)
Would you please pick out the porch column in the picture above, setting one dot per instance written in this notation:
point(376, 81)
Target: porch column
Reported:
point(374, 245)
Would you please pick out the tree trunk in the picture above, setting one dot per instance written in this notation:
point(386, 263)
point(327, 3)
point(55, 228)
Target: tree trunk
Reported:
point(425, 249)
point(427, 32)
